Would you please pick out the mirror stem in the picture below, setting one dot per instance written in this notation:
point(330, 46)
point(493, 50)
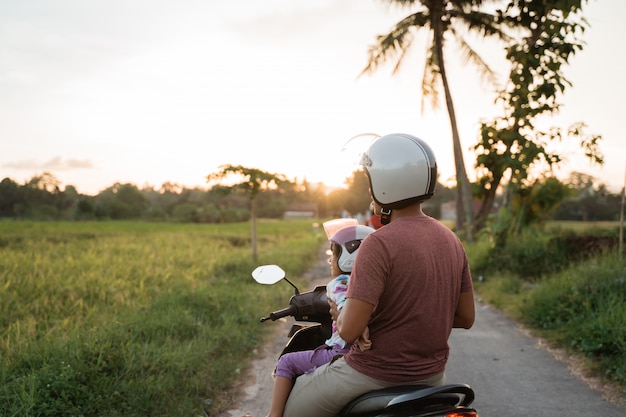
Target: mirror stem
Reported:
point(291, 283)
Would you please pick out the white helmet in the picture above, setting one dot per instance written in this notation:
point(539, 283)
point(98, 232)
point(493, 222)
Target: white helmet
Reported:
point(401, 169)
point(348, 239)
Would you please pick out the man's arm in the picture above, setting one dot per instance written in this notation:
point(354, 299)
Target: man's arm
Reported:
point(353, 319)
point(465, 313)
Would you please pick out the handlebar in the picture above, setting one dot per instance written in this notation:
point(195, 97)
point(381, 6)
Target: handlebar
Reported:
point(289, 311)
point(310, 306)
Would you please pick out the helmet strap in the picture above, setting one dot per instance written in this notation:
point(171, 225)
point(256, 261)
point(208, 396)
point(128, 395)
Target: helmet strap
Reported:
point(385, 215)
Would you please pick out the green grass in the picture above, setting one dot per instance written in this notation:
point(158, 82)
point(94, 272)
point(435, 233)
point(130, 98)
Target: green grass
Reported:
point(581, 308)
point(584, 309)
point(135, 319)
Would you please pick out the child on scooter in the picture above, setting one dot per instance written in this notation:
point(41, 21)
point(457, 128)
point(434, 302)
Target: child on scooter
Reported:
point(343, 246)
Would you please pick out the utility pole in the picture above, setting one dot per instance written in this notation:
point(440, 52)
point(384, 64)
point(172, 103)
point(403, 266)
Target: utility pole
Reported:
point(621, 221)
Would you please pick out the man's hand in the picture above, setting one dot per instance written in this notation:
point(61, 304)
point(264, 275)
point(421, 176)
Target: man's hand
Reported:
point(334, 313)
point(363, 342)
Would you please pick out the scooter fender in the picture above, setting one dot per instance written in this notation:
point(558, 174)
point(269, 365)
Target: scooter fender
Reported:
point(306, 337)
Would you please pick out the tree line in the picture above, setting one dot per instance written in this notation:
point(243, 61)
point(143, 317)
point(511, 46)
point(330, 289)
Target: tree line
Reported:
point(580, 197)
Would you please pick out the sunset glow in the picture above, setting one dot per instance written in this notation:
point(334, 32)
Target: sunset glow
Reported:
point(151, 92)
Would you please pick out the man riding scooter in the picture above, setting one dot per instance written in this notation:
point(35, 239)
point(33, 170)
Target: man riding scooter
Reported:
point(410, 285)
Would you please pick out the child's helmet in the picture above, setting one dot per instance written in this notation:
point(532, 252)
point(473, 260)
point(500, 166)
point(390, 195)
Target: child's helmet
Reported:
point(349, 239)
point(401, 169)
point(332, 226)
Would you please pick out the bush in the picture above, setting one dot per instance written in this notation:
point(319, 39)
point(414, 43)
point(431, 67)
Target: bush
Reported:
point(529, 255)
point(536, 252)
point(585, 308)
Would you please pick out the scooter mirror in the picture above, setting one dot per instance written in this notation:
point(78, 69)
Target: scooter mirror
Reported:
point(268, 274)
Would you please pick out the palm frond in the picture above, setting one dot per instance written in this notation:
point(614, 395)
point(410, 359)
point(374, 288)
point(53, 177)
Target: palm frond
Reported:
point(395, 43)
point(402, 3)
point(484, 24)
point(402, 53)
point(469, 55)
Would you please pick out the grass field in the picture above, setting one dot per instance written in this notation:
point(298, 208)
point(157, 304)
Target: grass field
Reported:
point(134, 319)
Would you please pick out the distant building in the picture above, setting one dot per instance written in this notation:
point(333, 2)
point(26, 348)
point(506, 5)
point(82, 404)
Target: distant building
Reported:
point(301, 210)
point(448, 210)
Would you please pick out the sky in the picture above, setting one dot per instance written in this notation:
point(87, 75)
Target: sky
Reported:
point(154, 91)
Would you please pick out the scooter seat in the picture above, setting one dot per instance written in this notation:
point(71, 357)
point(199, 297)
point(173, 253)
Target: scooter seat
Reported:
point(376, 400)
point(403, 396)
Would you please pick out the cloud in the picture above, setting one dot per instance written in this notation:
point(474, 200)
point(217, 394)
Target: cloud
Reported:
point(57, 164)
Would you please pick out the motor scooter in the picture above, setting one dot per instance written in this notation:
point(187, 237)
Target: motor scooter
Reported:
point(313, 326)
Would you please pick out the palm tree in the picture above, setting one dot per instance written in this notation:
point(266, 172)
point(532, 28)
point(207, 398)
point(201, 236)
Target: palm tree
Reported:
point(443, 18)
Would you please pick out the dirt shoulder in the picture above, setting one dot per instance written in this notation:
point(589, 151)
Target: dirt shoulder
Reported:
point(253, 391)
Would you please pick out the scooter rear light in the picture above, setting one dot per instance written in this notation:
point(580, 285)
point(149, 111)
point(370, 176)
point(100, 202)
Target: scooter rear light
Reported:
point(462, 413)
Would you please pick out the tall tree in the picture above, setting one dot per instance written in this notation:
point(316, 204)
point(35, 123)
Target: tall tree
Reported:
point(511, 146)
point(444, 19)
point(252, 181)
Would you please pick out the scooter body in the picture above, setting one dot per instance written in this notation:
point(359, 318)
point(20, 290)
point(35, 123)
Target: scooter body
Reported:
point(313, 327)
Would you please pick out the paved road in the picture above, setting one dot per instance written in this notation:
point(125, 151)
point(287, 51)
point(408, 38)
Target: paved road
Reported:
point(513, 376)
